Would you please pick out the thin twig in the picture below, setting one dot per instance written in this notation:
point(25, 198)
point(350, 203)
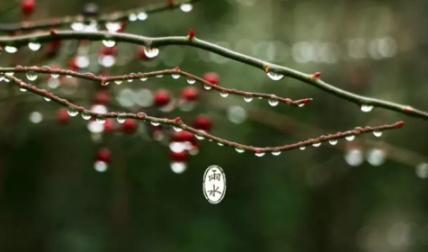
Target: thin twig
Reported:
point(178, 124)
point(116, 16)
point(276, 70)
point(176, 72)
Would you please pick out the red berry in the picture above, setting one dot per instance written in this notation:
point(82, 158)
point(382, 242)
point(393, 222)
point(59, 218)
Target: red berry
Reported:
point(72, 64)
point(104, 155)
point(179, 156)
point(27, 7)
point(162, 97)
point(189, 93)
point(211, 78)
point(102, 97)
point(110, 51)
point(63, 116)
point(108, 125)
point(182, 136)
point(129, 126)
point(202, 122)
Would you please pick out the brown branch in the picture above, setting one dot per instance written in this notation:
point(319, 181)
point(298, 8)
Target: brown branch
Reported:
point(179, 125)
point(116, 16)
point(175, 73)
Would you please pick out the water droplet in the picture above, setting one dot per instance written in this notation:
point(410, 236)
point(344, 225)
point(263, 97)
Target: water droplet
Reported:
point(186, 7)
point(100, 119)
point(34, 46)
point(130, 80)
point(132, 17)
point(333, 141)
point(9, 73)
point(72, 111)
point(118, 82)
point(142, 16)
point(23, 89)
point(121, 118)
point(207, 87)
point(109, 43)
point(86, 116)
point(350, 138)
point(199, 137)
point(316, 144)
point(224, 94)
point(301, 105)
point(191, 81)
point(151, 52)
point(220, 144)
point(104, 83)
point(143, 78)
point(155, 123)
point(276, 153)
point(248, 98)
point(366, 108)
point(275, 76)
point(377, 133)
point(422, 170)
point(177, 129)
point(273, 101)
point(31, 76)
point(77, 26)
point(239, 150)
point(113, 26)
point(302, 147)
point(54, 75)
point(159, 76)
point(47, 99)
point(175, 76)
point(259, 154)
point(10, 49)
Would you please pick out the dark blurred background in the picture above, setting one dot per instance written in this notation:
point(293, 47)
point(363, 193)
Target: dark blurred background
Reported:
point(362, 195)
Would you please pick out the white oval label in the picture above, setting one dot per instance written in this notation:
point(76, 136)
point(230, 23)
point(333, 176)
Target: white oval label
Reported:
point(214, 184)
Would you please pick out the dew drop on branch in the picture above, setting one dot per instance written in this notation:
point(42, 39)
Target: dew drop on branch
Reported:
point(248, 98)
point(301, 105)
point(366, 108)
point(86, 116)
point(54, 75)
point(316, 144)
point(302, 147)
point(276, 153)
point(118, 82)
point(31, 75)
point(186, 7)
point(350, 138)
point(143, 78)
point(34, 46)
point(177, 129)
point(113, 26)
point(333, 141)
point(109, 43)
point(10, 49)
point(23, 89)
point(10, 74)
point(121, 118)
point(77, 26)
point(377, 133)
point(151, 52)
point(273, 101)
point(47, 99)
point(207, 87)
point(191, 81)
point(239, 150)
point(154, 123)
point(100, 119)
point(260, 154)
point(274, 76)
point(175, 76)
point(132, 17)
point(130, 80)
point(224, 94)
point(199, 137)
point(159, 76)
point(72, 111)
point(142, 16)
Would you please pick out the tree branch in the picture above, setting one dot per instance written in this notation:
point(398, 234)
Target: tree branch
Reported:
point(176, 72)
point(178, 124)
point(116, 16)
point(275, 71)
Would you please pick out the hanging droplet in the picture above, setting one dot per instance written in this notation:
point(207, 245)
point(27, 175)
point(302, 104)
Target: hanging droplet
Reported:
point(276, 153)
point(34, 46)
point(54, 75)
point(333, 141)
point(31, 76)
point(207, 87)
point(159, 76)
point(100, 119)
point(177, 129)
point(109, 43)
point(86, 116)
point(10, 49)
point(129, 80)
point(366, 108)
point(118, 82)
point(377, 133)
point(248, 98)
point(9, 73)
point(143, 78)
point(275, 76)
point(23, 89)
point(316, 144)
point(77, 26)
point(301, 105)
point(224, 94)
point(259, 154)
point(132, 17)
point(239, 150)
point(350, 138)
point(142, 16)
point(121, 118)
point(191, 81)
point(302, 147)
point(199, 137)
point(47, 99)
point(186, 7)
point(155, 123)
point(220, 144)
point(151, 52)
point(72, 111)
point(273, 101)
point(175, 76)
